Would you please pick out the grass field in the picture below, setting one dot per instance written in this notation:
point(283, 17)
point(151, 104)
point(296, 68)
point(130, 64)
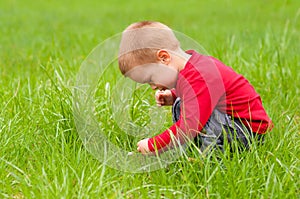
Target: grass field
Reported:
point(42, 45)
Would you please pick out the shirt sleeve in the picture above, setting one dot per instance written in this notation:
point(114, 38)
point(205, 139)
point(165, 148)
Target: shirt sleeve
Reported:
point(199, 93)
point(173, 91)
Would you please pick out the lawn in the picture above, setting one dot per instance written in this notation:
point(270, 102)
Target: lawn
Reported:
point(42, 47)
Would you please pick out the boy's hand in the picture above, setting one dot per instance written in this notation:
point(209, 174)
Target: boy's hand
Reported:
point(142, 146)
point(164, 98)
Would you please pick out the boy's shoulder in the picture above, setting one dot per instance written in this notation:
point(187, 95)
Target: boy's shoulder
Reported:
point(196, 56)
point(203, 62)
point(208, 67)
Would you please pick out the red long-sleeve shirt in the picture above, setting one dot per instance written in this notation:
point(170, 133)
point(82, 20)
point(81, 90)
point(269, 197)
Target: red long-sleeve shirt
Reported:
point(204, 84)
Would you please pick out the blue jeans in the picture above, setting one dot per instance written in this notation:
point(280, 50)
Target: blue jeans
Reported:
point(219, 129)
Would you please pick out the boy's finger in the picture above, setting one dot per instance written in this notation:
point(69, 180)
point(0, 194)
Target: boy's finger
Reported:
point(157, 94)
point(160, 96)
point(160, 102)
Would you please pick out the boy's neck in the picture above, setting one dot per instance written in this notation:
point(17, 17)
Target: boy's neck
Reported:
point(183, 58)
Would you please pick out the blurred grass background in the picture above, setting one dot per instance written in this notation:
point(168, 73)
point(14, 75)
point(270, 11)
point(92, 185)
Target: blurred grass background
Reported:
point(43, 43)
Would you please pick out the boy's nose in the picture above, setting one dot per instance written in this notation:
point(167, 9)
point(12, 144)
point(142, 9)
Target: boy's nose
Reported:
point(154, 87)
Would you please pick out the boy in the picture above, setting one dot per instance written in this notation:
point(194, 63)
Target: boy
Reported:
point(209, 99)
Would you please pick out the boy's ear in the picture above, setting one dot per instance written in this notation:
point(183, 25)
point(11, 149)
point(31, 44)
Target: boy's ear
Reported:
point(163, 56)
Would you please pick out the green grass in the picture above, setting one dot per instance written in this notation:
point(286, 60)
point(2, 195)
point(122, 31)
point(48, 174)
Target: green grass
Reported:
point(42, 45)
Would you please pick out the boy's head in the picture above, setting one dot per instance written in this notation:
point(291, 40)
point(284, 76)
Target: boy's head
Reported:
point(146, 44)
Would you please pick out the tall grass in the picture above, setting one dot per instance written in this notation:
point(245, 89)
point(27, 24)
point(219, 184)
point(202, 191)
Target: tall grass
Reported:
point(42, 45)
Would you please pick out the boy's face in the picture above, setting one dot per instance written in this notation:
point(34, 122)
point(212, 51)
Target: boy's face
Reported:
point(158, 75)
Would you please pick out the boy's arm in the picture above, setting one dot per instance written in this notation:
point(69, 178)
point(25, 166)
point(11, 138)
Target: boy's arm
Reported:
point(199, 96)
point(162, 140)
point(173, 91)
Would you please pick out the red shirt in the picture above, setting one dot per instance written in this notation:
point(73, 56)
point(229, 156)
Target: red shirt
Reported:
point(204, 84)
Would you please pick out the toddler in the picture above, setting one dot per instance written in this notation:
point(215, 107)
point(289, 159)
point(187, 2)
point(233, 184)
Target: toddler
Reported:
point(212, 104)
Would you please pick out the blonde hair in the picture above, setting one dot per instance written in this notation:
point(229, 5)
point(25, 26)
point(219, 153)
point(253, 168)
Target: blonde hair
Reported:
point(140, 42)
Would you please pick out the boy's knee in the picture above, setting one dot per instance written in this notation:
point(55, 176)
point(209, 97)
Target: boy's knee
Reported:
point(176, 110)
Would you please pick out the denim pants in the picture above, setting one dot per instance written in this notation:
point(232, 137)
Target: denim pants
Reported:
point(219, 129)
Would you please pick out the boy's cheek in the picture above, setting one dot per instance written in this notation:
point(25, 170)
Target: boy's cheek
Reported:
point(168, 83)
point(137, 77)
